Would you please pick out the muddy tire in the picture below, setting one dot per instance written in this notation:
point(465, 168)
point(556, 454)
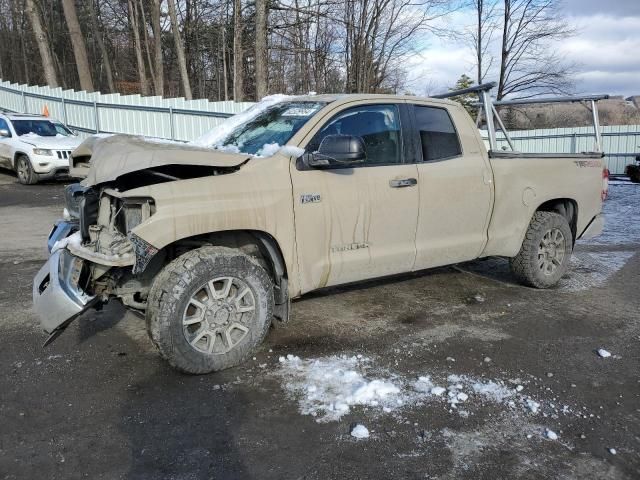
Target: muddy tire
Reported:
point(209, 309)
point(24, 169)
point(546, 250)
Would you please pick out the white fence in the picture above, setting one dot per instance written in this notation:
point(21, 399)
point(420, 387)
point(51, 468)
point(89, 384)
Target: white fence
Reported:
point(180, 119)
point(621, 143)
point(172, 118)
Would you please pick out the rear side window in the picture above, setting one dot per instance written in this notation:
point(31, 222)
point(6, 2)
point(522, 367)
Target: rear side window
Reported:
point(3, 125)
point(438, 136)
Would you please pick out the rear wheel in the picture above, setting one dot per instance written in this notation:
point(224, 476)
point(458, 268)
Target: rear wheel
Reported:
point(26, 175)
point(209, 308)
point(546, 250)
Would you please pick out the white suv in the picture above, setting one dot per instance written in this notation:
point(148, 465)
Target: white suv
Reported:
point(36, 147)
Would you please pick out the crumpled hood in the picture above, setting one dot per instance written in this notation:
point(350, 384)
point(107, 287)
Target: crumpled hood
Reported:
point(103, 159)
point(51, 143)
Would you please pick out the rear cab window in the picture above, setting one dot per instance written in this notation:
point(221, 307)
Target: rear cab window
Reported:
point(437, 135)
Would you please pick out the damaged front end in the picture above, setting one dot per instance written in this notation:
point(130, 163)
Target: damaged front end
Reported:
point(94, 256)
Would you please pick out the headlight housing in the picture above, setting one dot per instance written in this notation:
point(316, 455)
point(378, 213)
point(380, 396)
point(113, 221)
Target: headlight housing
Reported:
point(43, 151)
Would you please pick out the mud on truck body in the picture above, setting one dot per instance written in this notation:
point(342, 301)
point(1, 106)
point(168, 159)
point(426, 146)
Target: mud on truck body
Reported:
point(211, 244)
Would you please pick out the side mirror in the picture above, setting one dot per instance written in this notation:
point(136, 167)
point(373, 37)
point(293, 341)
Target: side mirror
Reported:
point(338, 151)
point(5, 133)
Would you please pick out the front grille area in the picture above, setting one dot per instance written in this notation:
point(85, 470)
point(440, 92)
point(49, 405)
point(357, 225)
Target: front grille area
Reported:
point(63, 154)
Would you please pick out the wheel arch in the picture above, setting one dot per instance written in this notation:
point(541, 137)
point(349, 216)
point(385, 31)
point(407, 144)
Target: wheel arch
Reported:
point(17, 155)
point(567, 207)
point(255, 243)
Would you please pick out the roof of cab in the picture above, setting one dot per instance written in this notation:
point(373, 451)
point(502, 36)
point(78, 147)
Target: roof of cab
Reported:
point(351, 97)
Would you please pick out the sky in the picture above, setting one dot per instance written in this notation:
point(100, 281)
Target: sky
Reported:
point(605, 50)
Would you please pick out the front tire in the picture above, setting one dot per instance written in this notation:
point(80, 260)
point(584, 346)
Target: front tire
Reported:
point(546, 250)
point(209, 309)
point(24, 169)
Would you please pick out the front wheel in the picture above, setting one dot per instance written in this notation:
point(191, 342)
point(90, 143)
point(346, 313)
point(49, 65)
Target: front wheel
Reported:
point(209, 309)
point(26, 175)
point(546, 250)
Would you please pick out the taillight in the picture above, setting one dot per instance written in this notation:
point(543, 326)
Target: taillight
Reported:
point(605, 183)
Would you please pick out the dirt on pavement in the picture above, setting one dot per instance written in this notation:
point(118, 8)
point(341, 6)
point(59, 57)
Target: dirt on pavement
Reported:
point(99, 403)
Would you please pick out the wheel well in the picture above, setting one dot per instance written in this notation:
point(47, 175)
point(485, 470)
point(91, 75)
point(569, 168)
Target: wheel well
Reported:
point(260, 245)
point(16, 156)
point(566, 207)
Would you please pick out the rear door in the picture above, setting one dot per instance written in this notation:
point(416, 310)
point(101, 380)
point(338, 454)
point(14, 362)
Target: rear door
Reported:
point(455, 180)
point(357, 223)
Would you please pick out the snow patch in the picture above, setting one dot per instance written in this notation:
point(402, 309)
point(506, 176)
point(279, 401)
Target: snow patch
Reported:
point(327, 388)
point(604, 353)
point(360, 431)
point(551, 435)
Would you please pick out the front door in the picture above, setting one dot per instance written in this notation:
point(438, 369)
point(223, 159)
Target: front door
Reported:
point(357, 223)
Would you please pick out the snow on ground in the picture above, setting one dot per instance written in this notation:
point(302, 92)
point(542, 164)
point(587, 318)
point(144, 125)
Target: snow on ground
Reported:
point(360, 431)
point(592, 269)
point(622, 217)
point(328, 388)
point(604, 353)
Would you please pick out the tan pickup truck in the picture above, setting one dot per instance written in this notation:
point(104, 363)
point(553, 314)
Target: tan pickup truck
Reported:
point(213, 242)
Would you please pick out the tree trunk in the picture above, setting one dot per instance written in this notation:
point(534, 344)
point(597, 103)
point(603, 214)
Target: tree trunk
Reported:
point(224, 55)
point(98, 32)
point(238, 73)
point(142, 76)
point(504, 57)
point(43, 44)
point(79, 47)
point(157, 44)
point(182, 64)
point(262, 74)
point(480, 7)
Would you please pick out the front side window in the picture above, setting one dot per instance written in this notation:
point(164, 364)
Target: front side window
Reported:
point(438, 136)
point(4, 125)
point(42, 128)
point(377, 125)
point(273, 127)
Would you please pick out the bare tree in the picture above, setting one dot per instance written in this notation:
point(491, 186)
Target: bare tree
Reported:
point(99, 34)
point(157, 47)
point(182, 64)
point(482, 34)
point(79, 47)
point(142, 75)
point(43, 44)
point(261, 49)
point(238, 53)
point(528, 67)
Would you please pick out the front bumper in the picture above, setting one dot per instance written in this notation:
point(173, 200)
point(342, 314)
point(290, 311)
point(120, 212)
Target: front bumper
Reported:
point(57, 296)
point(61, 230)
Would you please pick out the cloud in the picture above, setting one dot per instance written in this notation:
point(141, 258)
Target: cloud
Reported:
point(604, 50)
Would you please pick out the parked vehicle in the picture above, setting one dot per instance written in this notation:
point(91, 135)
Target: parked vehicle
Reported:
point(37, 148)
point(633, 171)
point(213, 244)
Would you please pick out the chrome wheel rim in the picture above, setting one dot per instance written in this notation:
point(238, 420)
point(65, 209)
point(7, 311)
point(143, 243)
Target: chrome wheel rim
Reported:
point(23, 170)
point(551, 251)
point(216, 317)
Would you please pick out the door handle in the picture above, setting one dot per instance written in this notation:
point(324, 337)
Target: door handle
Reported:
point(405, 182)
